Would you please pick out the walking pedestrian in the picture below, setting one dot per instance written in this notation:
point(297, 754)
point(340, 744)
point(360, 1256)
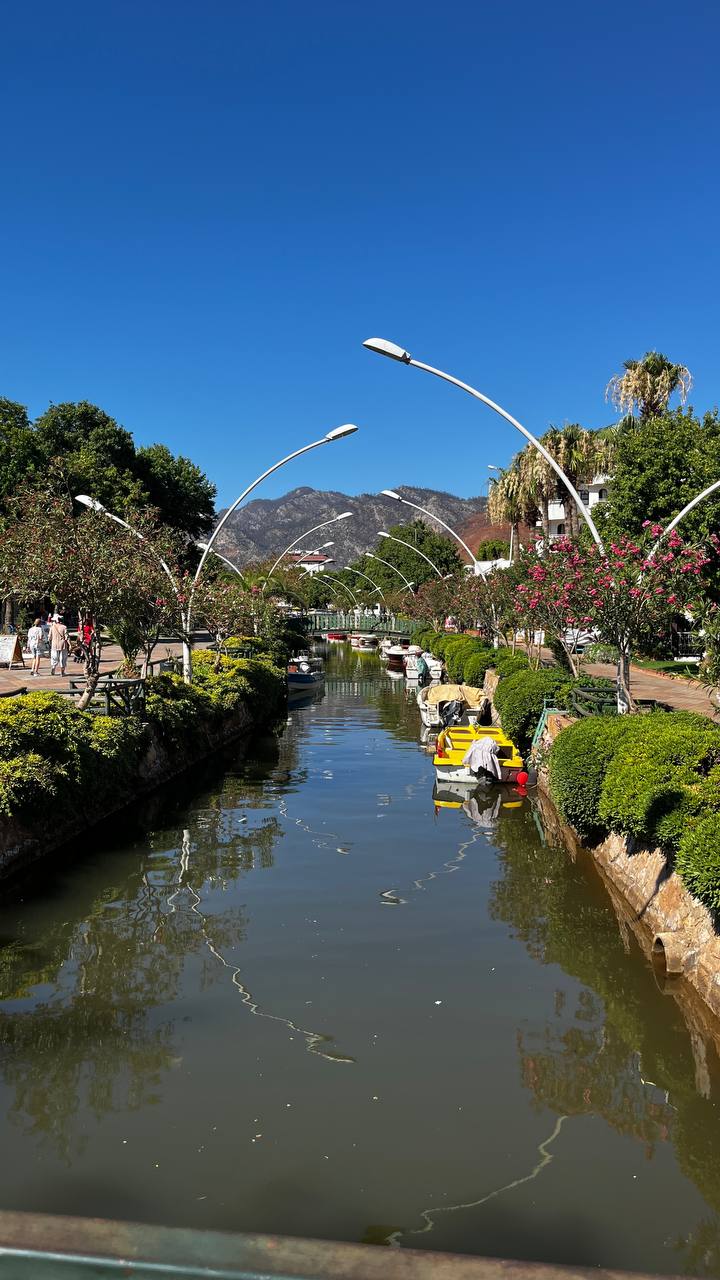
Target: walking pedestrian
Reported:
point(35, 643)
point(58, 645)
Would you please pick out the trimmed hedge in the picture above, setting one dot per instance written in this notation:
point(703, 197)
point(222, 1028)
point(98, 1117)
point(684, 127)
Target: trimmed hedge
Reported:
point(698, 860)
point(578, 761)
point(519, 700)
point(655, 778)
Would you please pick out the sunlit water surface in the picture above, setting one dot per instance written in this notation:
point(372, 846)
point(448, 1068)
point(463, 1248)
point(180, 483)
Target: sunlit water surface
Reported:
point(298, 997)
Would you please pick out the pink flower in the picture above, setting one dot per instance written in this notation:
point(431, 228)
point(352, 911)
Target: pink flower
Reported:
point(645, 524)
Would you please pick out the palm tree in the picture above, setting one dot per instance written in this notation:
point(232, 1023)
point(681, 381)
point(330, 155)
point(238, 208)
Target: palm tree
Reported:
point(575, 456)
point(506, 500)
point(649, 384)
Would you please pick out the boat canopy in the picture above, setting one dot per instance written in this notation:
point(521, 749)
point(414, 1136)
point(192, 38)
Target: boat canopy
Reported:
point(454, 693)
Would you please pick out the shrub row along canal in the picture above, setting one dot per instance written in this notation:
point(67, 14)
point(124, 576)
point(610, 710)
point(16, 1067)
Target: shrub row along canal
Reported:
point(307, 1000)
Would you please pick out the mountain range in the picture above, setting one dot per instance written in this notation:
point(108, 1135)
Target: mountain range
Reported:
point(266, 526)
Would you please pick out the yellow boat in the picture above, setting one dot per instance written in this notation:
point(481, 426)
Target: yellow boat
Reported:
point(453, 743)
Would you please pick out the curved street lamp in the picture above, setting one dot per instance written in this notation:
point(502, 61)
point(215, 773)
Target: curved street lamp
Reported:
point(390, 493)
point(331, 578)
point(345, 516)
point(204, 547)
point(394, 568)
point(699, 497)
point(418, 552)
point(360, 574)
point(394, 352)
point(338, 433)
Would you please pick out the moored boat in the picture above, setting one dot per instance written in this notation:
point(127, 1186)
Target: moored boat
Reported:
point(304, 674)
point(467, 753)
point(337, 637)
point(434, 701)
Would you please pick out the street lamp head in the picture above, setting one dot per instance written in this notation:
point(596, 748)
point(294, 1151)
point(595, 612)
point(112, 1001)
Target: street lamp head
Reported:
point(345, 515)
point(89, 502)
point(326, 544)
point(390, 493)
point(383, 534)
point(492, 467)
point(338, 433)
point(385, 348)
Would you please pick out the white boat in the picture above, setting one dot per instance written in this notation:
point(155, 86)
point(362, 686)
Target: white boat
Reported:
point(432, 702)
point(396, 656)
point(363, 640)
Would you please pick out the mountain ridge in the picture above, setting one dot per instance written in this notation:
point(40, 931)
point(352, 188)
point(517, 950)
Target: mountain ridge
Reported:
point(266, 526)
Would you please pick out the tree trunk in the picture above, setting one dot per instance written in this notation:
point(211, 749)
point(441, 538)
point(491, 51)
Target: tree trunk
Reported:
point(92, 673)
point(545, 513)
point(8, 610)
point(572, 658)
point(625, 703)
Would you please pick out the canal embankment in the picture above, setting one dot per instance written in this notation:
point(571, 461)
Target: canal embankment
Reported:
point(63, 771)
point(640, 795)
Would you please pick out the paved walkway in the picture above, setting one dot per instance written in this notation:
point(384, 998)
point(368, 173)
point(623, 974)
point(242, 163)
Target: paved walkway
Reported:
point(17, 678)
point(683, 695)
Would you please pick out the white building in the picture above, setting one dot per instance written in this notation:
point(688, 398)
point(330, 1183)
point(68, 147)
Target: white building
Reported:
point(590, 494)
point(311, 561)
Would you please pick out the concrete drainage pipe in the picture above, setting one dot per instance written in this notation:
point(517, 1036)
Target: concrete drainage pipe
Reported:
point(671, 952)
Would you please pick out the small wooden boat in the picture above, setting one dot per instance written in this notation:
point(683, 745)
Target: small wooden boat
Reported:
point(337, 637)
point(501, 760)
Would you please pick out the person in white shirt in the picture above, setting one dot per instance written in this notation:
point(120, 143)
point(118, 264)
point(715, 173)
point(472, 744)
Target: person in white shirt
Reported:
point(34, 642)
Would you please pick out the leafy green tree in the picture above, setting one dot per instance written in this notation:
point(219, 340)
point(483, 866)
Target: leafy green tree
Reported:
point(441, 550)
point(177, 488)
point(94, 455)
point(661, 463)
point(493, 549)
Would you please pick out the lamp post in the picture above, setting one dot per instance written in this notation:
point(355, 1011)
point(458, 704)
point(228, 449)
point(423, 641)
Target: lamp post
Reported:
point(360, 574)
point(699, 497)
point(345, 516)
point(338, 433)
point(394, 568)
point(94, 505)
point(204, 547)
point(331, 577)
point(394, 352)
point(390, 493)
point(418, 552)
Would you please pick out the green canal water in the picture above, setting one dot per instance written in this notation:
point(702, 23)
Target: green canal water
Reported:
point(296, 996)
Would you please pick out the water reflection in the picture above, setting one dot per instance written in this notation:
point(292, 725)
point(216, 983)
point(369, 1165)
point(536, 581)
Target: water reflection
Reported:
point(200, 984)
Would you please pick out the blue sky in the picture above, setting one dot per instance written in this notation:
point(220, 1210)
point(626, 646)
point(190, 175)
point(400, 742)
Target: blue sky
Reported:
point(207, 208)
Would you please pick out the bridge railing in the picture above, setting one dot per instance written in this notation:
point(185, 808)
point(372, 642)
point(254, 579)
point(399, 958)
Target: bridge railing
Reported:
point(322, 620)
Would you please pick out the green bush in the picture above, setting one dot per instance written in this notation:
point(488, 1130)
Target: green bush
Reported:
point(476, 666)
point(578, 762)
point(51, 751)
point(698, 860)
point(52, 755)
point(508, 664)
point(456, 655)
point(519, 700)
point(27, 782)
point(653, 782)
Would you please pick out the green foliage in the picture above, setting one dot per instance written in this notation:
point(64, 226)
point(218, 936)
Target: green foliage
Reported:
point(653, 782)
point(508, 664)
point(493, 549)
point(476, 666)
point(51, 751)
point(519, 700)
point(698, 860)
point(56, 759)
point(97, 456)
point(578, 762)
